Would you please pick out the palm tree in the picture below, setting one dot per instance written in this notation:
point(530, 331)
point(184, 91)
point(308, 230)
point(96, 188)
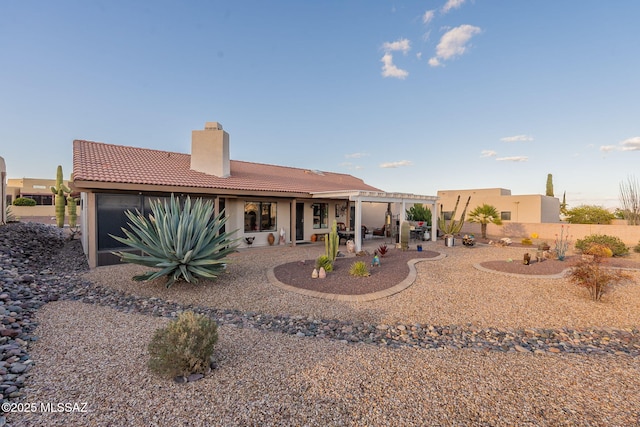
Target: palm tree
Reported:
point(484, 215)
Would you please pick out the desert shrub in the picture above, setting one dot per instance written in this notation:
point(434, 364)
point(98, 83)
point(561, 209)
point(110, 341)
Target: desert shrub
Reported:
point(324, 262)
point(614, 243)
point(184, 347)
point(636, 248)
point(359, 269)
point(184, 243)
point(526, 241)
point(24, 201)
point(593, 273)
point(10, 216)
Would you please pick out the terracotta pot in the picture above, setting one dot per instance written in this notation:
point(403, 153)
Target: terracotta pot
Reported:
point(271, 239)
point(314, 237)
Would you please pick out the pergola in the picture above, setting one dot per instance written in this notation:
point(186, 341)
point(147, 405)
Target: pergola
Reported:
point(359, 196)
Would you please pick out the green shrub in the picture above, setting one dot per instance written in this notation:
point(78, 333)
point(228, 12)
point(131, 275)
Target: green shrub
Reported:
point(359, 269)
point(184, 347)
point(636, 248)
point(24, 201)
point(614, 243)
point(185, 243)
point(526, 241)
point(325, 262)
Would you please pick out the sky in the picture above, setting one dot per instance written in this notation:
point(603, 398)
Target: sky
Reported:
point(412, 97)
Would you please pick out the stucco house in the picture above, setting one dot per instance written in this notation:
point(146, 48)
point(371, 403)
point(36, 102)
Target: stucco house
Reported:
point(529, 208)
point(258, 199)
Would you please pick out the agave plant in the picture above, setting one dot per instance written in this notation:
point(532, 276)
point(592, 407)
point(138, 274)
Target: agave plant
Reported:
point(184, 243)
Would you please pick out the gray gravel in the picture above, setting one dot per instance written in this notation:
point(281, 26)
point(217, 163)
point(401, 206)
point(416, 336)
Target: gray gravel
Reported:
point(459, 347)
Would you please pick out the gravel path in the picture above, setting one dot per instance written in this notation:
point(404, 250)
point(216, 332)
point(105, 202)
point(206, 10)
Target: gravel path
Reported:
point(458, 347)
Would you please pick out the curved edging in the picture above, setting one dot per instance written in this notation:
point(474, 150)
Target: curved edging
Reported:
point(408, 281)
point(560, 275)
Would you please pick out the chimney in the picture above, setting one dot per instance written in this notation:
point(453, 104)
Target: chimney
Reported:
point(210, 150)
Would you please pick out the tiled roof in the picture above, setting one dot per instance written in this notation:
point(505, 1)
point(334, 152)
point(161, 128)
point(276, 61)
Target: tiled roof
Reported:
point(108, 163)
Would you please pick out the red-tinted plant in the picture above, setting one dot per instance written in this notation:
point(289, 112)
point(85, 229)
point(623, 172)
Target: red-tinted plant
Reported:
point(382, 250)
point(593, 273)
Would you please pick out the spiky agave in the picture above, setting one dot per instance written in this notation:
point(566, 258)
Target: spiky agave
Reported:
point(184, 243)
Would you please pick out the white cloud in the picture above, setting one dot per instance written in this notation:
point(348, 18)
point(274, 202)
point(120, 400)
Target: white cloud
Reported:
point(607, 148)
point(452, 4)
point(402, 45)
point(356, 155)
point(453, 43)
point(517, 138)
point(513, 159)
point(428, 16)
point(631, 144)
point(488, 153)
point(401, 163)
point(419, 55)
point(390, 70)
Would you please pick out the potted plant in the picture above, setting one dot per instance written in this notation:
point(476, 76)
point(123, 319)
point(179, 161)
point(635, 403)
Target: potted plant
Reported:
point(451, 226)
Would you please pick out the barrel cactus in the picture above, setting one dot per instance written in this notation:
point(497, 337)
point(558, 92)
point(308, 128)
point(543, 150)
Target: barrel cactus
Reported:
point(183, 243)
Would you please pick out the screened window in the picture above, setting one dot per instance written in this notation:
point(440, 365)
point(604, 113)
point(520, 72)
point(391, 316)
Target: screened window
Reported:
point(260, 216)
point(320, 215)
point(505, 216)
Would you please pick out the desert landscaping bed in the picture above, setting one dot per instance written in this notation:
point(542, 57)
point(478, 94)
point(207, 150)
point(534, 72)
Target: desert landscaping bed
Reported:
point(458, 347)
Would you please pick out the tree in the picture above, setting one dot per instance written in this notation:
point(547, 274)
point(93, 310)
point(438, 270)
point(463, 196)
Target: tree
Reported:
point(418, 212)
point(484, 215)
point(589, 214)
point(630, 200)
point(549, 185)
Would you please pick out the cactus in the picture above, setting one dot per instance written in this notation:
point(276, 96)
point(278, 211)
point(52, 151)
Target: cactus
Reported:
point(72, 210)
point(331, 243)
point(452, 227)
point(405, 231)
point(59, 191)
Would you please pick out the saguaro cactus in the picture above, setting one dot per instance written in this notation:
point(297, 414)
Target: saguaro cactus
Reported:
point(331, 242)
point(72, 210)
point(59, 191)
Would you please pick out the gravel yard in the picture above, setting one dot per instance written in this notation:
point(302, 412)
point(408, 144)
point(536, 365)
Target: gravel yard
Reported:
point(434, 354)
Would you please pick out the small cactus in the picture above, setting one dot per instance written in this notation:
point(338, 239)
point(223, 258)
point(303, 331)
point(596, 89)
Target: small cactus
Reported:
point(331, 243)
point(59, 191)
point(405, 231)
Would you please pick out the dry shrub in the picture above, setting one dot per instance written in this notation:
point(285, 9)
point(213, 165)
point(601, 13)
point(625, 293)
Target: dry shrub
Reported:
point(184, 347)
point(593, 273)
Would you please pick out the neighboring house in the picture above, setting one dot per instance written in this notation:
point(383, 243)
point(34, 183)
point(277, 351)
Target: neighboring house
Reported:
point(533, 208)
point(258, 199)
point(38, 190)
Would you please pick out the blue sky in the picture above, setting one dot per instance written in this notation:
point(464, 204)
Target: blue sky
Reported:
point(415, 96)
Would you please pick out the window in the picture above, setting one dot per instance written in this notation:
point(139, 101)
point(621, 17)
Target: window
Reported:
point(41, 199)
point(320, 215)
point(505, 216)
point(260, 216)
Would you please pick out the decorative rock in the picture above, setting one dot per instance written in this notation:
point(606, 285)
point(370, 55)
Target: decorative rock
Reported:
point(314, 274)
point(322, 273)
point(194, 377)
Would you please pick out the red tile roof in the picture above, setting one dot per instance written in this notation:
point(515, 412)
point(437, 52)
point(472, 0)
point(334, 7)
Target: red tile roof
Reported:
point(108, 163)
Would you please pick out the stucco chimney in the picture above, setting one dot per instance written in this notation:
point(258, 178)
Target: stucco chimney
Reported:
point(210, 150)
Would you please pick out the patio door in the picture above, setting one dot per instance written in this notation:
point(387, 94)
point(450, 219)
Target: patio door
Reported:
point(299, 221)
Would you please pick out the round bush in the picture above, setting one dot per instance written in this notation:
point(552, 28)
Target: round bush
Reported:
point(184, 347)
point(24, 201)
point(617, 246)
point(324, 262)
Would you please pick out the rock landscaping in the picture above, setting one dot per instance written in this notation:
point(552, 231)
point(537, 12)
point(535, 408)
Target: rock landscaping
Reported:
point(38, 265)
